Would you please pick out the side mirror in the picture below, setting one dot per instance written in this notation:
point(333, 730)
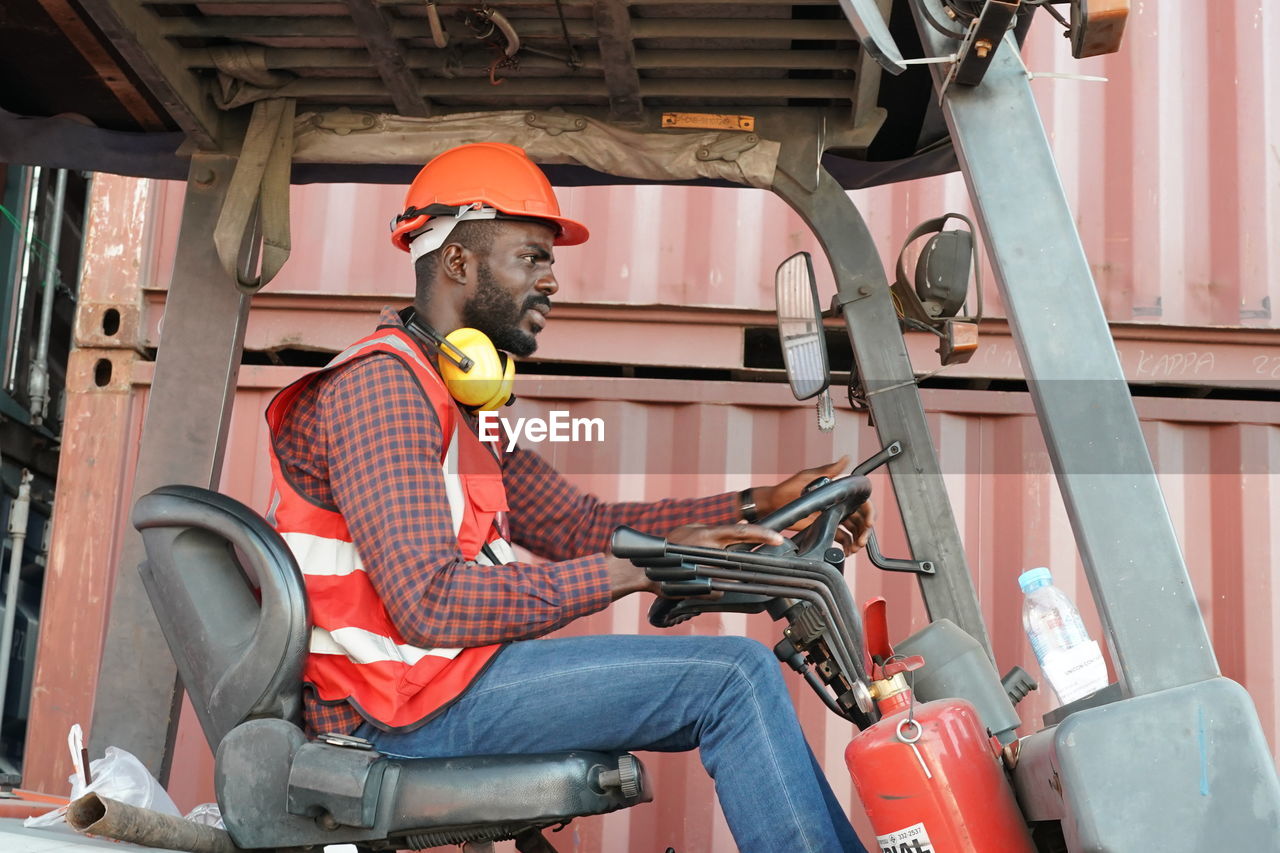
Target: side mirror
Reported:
point(804, 346)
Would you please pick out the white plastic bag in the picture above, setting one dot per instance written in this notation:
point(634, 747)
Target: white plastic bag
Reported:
point(118, 775)
point(208, 814)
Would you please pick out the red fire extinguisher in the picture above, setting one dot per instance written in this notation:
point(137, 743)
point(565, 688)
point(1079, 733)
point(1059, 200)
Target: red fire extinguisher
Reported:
point(927, 774)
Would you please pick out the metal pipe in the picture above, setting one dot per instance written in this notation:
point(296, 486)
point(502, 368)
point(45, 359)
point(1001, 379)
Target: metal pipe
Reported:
point(110, 818)
point(327, 26)
point(38, 377)
point(373, 92)
point(580, 29)
point(19, 512)
point(313, 58)
point(509, 33)
point(438, 36)
point(28, 243)
point(568, 4)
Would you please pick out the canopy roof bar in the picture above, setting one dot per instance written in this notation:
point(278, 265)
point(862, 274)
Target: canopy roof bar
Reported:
point(97, 55)
point(368, 91)
point(374, 26)
point(618, 58)
point(133, 32)
point(448, 7)
point(317, 58)
point(252, 26)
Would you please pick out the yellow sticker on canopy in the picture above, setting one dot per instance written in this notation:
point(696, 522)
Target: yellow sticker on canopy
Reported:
point(709, 121)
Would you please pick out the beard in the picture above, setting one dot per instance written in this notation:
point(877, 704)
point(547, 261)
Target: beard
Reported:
point(496, 313)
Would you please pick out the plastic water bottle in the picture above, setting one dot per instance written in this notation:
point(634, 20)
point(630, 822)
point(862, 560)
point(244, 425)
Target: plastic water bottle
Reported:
point(1071, 661)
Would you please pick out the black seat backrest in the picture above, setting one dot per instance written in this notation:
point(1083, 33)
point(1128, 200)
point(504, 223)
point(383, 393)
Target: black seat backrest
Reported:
point(238, 659)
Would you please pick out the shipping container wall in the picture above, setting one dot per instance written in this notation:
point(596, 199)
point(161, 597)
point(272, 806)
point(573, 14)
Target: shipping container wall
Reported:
point(1216, 461)
point(1172, 167)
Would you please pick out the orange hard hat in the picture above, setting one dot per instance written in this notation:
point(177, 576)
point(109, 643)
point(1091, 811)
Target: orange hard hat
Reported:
point(488, 174)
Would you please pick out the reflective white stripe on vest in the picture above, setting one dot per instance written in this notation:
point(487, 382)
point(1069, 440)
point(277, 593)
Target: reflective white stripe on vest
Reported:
point(390, 340)
point(453, 483)
point(318, 555)
point(364, 646)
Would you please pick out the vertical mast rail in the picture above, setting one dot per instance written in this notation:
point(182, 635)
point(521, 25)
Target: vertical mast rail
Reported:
point(1113, 500)
point(863, 292)
point(183, 439)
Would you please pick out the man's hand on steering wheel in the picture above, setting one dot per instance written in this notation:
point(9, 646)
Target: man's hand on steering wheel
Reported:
point(853, 531)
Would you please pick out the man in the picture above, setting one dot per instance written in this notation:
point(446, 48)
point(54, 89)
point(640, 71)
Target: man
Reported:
point(402, 520)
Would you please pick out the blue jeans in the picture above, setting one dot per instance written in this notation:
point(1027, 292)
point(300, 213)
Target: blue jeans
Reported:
point(721, 695)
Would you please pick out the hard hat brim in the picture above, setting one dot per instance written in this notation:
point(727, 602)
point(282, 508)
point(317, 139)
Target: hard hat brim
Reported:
point(572, 232)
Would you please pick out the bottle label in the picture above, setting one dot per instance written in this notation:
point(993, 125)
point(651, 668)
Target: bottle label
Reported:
point(1076, 672)
point(913, 839)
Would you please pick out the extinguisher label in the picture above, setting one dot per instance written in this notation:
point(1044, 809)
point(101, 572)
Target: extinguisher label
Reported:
point(913, 839)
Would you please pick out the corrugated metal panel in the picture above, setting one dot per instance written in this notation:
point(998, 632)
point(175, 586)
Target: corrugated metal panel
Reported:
point(665, 438)
point(1172, 167)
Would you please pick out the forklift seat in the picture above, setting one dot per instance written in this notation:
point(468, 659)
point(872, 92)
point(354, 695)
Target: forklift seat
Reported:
point(230, 600)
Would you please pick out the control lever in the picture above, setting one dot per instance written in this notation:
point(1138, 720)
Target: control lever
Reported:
point(668, 574)
point(816, 587)
point(893, 564)
point(684, 589)
point(879, 560)
point(1017, 683)
point(861, 712)
point(631, 544)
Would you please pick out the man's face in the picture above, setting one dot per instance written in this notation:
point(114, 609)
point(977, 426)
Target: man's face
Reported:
point(514, 283)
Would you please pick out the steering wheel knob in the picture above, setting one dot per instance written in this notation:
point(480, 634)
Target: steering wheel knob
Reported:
point(816, 484)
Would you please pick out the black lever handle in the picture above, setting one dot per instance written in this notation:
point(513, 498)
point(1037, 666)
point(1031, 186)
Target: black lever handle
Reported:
point(670, 573)
point(683, 589)
point(893, 564)
point(630, 544)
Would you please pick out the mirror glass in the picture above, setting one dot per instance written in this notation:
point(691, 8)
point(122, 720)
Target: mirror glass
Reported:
point(804, 347)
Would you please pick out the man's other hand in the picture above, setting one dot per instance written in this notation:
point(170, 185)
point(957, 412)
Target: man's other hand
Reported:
point(625, 577)
point(854, 529)
point(723, 535)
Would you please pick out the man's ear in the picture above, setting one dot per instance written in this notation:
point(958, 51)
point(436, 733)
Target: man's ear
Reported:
point(454, 260)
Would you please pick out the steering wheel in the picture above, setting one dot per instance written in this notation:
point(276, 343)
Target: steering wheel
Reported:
point(832, 499)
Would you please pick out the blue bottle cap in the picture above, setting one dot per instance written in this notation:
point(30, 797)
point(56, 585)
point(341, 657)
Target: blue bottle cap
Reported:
point(1033, 579)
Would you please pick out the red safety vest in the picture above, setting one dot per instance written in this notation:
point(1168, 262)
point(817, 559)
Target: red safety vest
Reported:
point(357, 655)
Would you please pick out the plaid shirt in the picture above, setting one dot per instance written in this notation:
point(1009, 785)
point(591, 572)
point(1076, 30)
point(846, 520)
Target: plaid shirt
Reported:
point(364, 439)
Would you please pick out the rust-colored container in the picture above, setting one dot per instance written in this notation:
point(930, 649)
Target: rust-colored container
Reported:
point(20, 804)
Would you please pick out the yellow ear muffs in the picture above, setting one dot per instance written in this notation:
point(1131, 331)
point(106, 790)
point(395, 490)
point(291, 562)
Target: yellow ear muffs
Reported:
point(486, 385)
